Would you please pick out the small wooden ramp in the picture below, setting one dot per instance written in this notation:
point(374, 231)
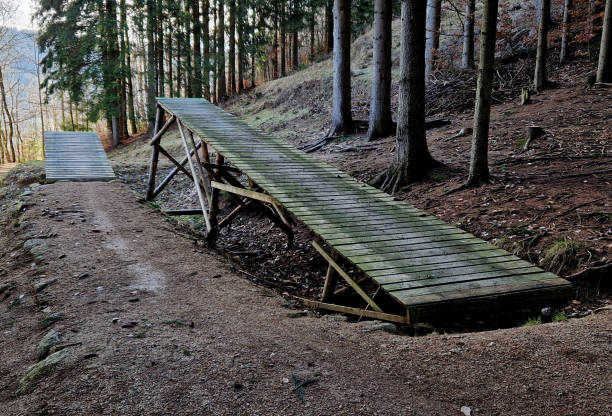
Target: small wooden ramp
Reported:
point(76, 156)
point(432, 269)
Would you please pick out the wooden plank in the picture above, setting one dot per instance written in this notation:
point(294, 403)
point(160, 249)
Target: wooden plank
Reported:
point(245, 192)
point(437, 271)
point(418, 283)
point(346, 277)
point(356, 311)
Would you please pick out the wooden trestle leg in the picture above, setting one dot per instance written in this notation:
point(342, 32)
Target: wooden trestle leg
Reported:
point(159, 119)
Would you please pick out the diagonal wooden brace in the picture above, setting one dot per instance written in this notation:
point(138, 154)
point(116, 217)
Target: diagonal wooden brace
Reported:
point(346, 277)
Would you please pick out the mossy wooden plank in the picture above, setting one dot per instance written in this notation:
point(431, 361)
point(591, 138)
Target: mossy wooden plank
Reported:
point(469, 285)
point(415, 283)
point(403, 245)
point(443, 259)
point(434, 271)
point(378, 234)
point(376, 256)
point(477, 292)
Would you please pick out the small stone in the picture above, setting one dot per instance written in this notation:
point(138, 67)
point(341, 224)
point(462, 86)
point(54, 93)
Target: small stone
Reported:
point(40, 286)
point(4, 287)
point(466, 411)
point(546, 314)
point(37, 248)
point(51, 339)
point(51, 319)
point(379, 326)
point(41, 369)
point(337, 317)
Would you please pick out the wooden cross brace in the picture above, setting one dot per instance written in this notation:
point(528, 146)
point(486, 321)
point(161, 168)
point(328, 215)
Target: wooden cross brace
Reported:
point(208, 185)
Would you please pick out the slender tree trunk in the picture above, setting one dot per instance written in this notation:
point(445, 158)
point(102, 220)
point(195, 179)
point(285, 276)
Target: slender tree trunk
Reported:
point(206, 43)
point(604, 69)
point(123, 118)
point(432, 43)
point(312, 25)
point(40, 101)
point(563, 54)
point(275, 51)
point(539, 79)
point(9, 137)
point(283, 40)
point(232, 47)
point(381, 123)
point(241, 28)
point(341, 110)
point(467, 57)
point(221, 51)
point(329, 26)
point(479, 159)
point(295, 62)
point(129, 76)
point(151, 66)
point(196, 28)
point(254, 49)
point(160, 49)
point(412, 158)
point(189, 62)
point(215, 54)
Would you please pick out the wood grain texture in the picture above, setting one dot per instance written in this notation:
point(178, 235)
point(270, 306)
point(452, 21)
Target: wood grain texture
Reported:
point(76, 156)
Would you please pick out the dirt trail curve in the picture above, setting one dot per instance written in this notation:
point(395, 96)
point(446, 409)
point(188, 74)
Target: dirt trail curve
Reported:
point(194, 338)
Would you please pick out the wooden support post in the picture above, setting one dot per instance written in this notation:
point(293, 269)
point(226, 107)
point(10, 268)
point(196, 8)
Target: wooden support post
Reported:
point(346, 277)
point(228, 219)
point(244, 192)
point(357, 311)
point(214, 203)
point(159, 119)
point(157, 136)
point(173, 173)
point(331, 279)
point(196, 178)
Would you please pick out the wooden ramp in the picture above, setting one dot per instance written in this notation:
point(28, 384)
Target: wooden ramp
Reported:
point(75, 156)
point(430, 268)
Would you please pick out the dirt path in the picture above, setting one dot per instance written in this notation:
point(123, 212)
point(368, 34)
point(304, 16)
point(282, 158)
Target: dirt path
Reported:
point(192, 337)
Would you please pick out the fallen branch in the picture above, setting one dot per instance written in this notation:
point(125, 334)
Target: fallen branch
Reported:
point(567, 211)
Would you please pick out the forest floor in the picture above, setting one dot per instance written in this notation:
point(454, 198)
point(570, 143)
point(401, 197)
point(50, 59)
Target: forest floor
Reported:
point(151, 322)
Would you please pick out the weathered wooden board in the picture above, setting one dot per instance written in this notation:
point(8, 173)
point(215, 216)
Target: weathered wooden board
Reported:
point(417, 258)
point(75, 156)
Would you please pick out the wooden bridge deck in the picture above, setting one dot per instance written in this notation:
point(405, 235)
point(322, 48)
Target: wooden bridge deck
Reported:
point(425, 264)
point(76, 156)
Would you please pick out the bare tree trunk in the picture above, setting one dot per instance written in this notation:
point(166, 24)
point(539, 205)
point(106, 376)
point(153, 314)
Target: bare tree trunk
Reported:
point(381, 123)
point(311, 24)
point(604, 68)
point(539, 79)
point(283, 40)
point(329, 26)
point(161, 78)
point(189, 63)
point(296, 48)
point(479, 159)
point(253, 51)
point(196, 29)
point(206, 43)
point(232, 46)
point(9, 118)
point(129, 75)
point(275, 50)
point(215, 54)
point(412, 158)
point(241, 16)
point(467, 57)
point(341, 110)
point(40, 102)
point(432, 43)
point(151, 66)
point(563, 55)
point(222, 91)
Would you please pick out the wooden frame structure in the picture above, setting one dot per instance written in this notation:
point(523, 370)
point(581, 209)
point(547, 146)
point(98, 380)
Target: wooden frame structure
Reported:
point(424, 267)
point(208, 178)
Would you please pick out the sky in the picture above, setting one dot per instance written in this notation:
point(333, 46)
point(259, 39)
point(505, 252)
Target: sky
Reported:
point(23, 16)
